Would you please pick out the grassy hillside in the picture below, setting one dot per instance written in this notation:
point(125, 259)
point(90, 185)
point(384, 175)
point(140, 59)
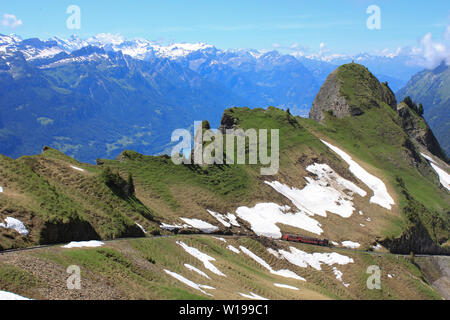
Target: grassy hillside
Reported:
point(60, 199)
point(134, 269)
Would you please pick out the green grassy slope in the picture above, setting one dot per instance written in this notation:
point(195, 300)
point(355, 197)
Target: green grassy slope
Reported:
point(134, 269)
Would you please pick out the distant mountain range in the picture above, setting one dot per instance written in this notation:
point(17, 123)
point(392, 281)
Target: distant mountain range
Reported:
point(95, 97)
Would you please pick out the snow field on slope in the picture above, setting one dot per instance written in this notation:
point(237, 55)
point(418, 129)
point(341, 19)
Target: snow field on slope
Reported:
point(252, 296)
point(339, 275)
point(444, 177)
point(264, 217)
point(351, 244)
point(327, 192)
point(190, 283)
point(227, 220)
point(8, 296)
point(285, 286)
point(84, 244)
point(172, 227)
point(315, 260)
point(15, 224)
point(233, 249)
point(141, 227)
point(220, 239)
point(192, 268)
point(324, 193)
point(381, 195)
point(76, 168)
point(283, 273)
point(203, 257)
point(200, 225)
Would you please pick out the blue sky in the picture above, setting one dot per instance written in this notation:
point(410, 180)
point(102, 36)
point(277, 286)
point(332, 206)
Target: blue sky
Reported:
point(258, 24)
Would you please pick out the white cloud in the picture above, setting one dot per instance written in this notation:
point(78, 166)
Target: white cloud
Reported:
point(434, 52)
point(430, 54)
point(323, 49)
point(11, 21)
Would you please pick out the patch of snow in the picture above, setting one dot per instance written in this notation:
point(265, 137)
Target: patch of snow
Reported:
point(427, 157)
point(200, 225)
point(81, 244)
point(325, 193)
point(369, 220)
point(81, 59)
point(45, 53)
point(381, 195)
point(334, 243)
point(362, 225)
point(179, 49)
point(200, 272)
point(15, 224)
point(227, 220)
point(1, 189)
point(339, 275)
point(252, 296)
point(351, 244)
point(390, 276)
point(361, 213)
point(444, 177)
point(141, 227)
point(206, 259)
point(220, 239)
point(377, 247)
point(172, 227)
point(264, 218)
point(76, 168)
point(8, 296)
point(189, 283)
point(274, 253)
point(315, 260)
point(285, 286)
point(283, 273)
point(231, 248)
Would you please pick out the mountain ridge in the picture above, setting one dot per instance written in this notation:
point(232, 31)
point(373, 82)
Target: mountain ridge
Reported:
point(431, 88)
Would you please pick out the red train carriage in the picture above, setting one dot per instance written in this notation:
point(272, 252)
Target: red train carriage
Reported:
point(301, 239)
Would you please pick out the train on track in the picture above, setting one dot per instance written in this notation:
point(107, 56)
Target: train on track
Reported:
point(308, 240)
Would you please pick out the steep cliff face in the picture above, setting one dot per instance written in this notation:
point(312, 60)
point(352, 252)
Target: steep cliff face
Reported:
point(329, 99)
point(431, 88)
point(417, 128)
point(350, 90)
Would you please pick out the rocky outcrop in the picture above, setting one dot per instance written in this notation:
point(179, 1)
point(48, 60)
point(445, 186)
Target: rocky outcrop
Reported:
point(228, 121)
point(437, 271)
point(416, 239)
point(330, 100)
point(349, 91)
point(417, 129)
point(388, 96)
